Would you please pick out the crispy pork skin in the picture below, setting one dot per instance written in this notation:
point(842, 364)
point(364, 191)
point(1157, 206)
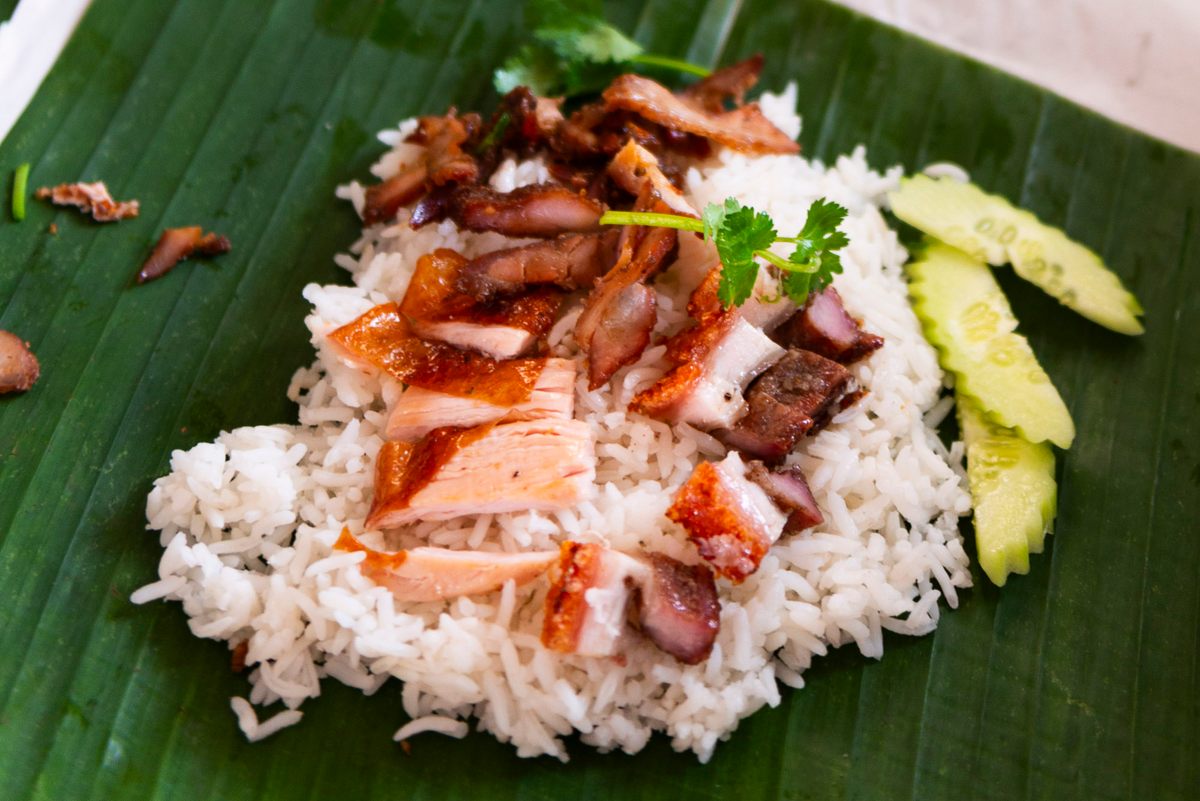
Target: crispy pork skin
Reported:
point(730, 519)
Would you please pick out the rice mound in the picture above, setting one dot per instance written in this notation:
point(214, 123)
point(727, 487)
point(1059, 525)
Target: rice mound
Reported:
point(248, 521)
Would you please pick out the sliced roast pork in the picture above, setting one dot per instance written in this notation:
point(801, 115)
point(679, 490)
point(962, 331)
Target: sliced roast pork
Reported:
point(744, 128)
point(788, 488)
point(797, 395)
point(595, 592)
point(731, 519)
point(726, 84)
point(504, 328)
point(635, 169)
point(537, 210)
point(571, 261)
point(438, 574)
point(511, 467)
point(825, 327)
point(419, 411)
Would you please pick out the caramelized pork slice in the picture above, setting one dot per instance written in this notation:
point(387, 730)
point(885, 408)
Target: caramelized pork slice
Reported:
point(381, 339)
point(571, 261)
point(177, 244)
point(726, 84)
point(537, 210)
point(587, 607)
point(788, 488)
point(788, 401)
point(677, 608)
point(825, 327)
point(90, 198)
point(730, 518)
point(438, 574)
point(503, 328)
point(419, 411)
point(443, 163)
point(529, 465)
point(744, 128)
point(635, 169)
point(619, 313)
point(19, 368)
point(531, 120)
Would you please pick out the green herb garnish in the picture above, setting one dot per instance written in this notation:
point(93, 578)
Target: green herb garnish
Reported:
point(743, 235)
point(20, 185)
point(574, 51)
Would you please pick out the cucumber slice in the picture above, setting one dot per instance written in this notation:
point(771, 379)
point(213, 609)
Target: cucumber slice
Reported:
point(991, 229)
point(967, 318)
point(1013, 490)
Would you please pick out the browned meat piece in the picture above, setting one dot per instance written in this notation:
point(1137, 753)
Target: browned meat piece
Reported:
point(538, 210)
point(619, 314)
point(438, 574)
point(726, 84)
point(507, 327)
point(571, 261)
point(744, 128)
point(91, 199)
point(444, 163)
point(730, 519)
point(635, 169)
point(789, 490)
point(177, 244)
point(419, 411)
point(712, 362)
point(788, 401)
point(19, 368)
point(532, 120)
point(677, 608)
point(536, 464)
point(823, 326)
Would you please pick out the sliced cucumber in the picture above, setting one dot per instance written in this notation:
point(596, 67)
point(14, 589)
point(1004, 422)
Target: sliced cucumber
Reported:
point(967, 318)
point(990, 228)
point(1013, 490)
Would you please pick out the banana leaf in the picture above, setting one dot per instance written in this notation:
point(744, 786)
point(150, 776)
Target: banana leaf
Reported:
point(1078, 681)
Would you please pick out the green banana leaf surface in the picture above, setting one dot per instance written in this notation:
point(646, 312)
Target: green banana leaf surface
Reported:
point(1078, 681)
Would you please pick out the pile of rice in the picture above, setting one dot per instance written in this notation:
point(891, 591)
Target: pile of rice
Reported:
point(248, 521)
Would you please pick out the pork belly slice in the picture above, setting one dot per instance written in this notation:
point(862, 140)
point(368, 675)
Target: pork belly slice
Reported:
point(571, 261)
point(444, 163)
point(438, 574)
point(824, 327)
point(382, 339)
point(511, 467)
point(502, 329)
point(744, 128)
point(595, 592)
point(731, 519)
point(537, 210)
point(635, 169)
point(419, 411)
point(788, 488)
point(796, 396)
point(677, 608)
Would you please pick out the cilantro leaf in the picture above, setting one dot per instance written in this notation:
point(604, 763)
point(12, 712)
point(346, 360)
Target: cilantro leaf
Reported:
point(739, 233)
point(814, 258)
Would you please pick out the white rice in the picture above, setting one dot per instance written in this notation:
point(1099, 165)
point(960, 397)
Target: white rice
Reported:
point(248, 521)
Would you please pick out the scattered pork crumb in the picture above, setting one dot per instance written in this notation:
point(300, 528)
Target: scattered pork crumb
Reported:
point(237, 661)
point(53, 229)
point(19, 368)
point(177, 244)
point(406, 746)
point(90, 198)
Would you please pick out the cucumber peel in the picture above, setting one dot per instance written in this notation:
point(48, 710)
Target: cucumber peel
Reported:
point(1013, 491)
point(991, 229)
point(967, 318)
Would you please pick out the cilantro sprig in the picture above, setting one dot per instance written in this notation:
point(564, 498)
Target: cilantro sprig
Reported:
point(743, 235)
point(574, 51)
